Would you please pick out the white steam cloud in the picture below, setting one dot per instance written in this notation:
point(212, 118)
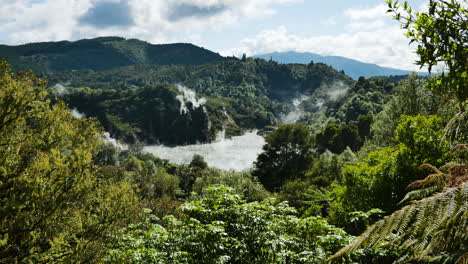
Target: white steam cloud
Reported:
point(296, 114)
point(59, 90)
point(337, 90)
point(112, 141)
point(187, 95)
point(77, 114)
point(237, 153)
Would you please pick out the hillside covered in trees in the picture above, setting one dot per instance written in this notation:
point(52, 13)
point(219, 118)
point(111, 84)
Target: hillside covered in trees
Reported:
point(235, 95)
point(102, 53)
point(367, 171)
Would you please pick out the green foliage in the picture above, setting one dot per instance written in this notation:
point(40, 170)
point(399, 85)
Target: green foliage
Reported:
point(359, 220)
point(380, 180)
point(327, 167)
point(422, 136)
point(151, 113)
point(430, 230)
point(243, 183)
point(336, 138)
point(54, 207)
point(441, 34)
point(150, 176)
point(305, 197)
point(198, 162)
point(240, 95)
point(287, 155)
point(453, 174)
point(412, 98)
point(222, 228)
point(366, 96)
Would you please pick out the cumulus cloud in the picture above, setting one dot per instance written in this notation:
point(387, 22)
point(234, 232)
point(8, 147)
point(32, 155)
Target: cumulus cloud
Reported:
point(157, 21)
point(370, 36)
point(108, 14)
point(180, 11)
point(366, 13)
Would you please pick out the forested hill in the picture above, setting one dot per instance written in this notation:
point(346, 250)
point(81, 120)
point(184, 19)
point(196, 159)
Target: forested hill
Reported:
point(235, 94)
point(352, 68)
point(102, 53)
point(231, 78)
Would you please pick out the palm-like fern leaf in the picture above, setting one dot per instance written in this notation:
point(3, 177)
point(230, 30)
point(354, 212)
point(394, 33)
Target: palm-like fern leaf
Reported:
point(433, 227)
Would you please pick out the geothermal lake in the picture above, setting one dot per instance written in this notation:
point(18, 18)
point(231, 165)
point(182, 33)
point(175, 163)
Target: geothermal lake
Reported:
point(236, 153)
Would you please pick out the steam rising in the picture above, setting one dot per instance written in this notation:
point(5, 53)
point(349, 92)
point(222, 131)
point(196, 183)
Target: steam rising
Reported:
point(77, 114)
point(107, 138)
point(321, 97)
point(337, 90)
point(187, 95)
point(237, 153)
point(296, 114)
point(60, 89)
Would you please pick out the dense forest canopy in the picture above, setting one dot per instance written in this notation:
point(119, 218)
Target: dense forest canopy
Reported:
point(239, 95)
point(365, 171)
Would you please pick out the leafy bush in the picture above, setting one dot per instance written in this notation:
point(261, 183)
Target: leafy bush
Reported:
point(380, 180)
point(222, 228)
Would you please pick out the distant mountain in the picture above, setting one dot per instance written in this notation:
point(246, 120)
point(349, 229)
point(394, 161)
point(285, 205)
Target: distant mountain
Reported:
point(352, 68)
point(104, 53)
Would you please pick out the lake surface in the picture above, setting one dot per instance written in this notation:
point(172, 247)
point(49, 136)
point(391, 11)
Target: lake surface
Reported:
point(236, 153)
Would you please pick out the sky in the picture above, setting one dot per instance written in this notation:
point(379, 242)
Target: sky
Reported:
point(357, 29)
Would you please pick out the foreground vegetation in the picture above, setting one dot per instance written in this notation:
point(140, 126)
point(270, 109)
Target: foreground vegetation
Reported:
point(379, 181)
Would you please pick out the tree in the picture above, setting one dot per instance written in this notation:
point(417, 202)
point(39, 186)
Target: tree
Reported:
point(442, 37)
point(286, 155)
point(410, 98)
point(53, 206)
point(198, 162)
point(380, 179)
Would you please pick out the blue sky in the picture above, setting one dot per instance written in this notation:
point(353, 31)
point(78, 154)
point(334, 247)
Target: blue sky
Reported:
point(357, 29)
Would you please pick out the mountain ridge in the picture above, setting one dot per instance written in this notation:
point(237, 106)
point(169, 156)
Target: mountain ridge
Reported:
point(103, 53)
point(351, 67)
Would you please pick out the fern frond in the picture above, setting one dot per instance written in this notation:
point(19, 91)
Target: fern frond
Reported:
point(440, 179)
point(423, 230)
point(463, 259)
point(431, 167)
point(420, 194)
point(457, 128)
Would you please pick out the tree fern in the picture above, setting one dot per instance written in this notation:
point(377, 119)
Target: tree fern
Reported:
point(435, 228)
point(457, 173)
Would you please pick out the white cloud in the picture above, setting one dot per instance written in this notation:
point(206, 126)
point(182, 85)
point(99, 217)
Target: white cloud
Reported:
point(370, 36)
point(366, 13)
point(365, 25)
point(51, 20)
point(330, 21)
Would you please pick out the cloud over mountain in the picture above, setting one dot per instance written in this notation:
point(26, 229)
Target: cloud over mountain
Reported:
point(370, 36)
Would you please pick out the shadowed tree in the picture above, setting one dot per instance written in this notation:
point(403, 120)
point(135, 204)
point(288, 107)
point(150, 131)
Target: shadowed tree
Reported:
point(286, 155)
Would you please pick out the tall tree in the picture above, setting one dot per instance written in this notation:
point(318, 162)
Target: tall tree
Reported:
point(53, 208)
point(441, 34)
point(286, 155)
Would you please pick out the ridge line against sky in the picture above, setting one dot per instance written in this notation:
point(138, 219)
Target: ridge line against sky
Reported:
point(358, 29)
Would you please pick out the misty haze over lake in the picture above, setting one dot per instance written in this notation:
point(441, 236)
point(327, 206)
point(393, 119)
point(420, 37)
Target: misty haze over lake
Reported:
point(237, 153)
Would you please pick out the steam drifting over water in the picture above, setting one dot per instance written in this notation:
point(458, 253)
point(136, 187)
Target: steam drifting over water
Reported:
point(237, 153)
